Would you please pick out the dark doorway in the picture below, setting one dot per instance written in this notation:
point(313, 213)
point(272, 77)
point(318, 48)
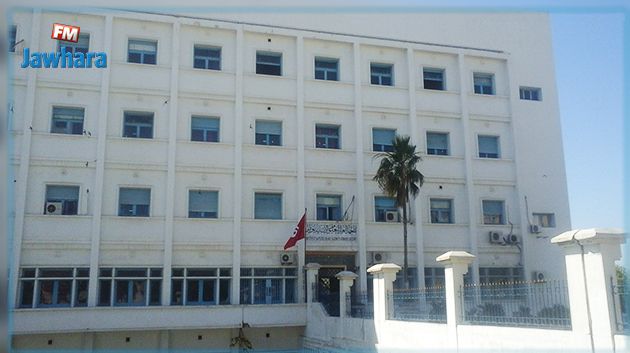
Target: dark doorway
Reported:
point(328, 289)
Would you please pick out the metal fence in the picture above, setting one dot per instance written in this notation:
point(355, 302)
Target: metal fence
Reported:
point(360, 305)
point(419, 304)
point(541, 304)
point(622, 300)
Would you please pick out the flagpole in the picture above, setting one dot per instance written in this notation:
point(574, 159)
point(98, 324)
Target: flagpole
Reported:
point(304, 251)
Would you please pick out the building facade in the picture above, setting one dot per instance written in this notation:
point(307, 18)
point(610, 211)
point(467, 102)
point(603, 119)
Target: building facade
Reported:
point(155, 195)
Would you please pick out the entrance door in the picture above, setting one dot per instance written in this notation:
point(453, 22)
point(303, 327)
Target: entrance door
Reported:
point(328, 289)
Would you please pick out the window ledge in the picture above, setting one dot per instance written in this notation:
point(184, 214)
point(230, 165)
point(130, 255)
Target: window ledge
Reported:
point(439, 91)
point(437, 156)
point(339, 83)
point(142, 139)
point(126, 63)
point(384, 86)
point(493, 96)
point(255, 146)
point(205, 143)
point(334, 150)
point(59, 216)
point(60, 135)
point(429, 224)
point(276, 77)
point(507, 160)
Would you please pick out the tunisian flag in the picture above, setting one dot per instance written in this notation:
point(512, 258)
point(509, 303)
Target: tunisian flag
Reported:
point(298, 233)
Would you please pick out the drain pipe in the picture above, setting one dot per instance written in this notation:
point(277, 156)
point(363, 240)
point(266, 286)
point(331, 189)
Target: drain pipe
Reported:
point(588, 301)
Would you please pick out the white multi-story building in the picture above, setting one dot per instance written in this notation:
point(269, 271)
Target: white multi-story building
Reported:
point(153, 197)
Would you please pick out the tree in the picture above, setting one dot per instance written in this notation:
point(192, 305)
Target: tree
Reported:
point(399, 178)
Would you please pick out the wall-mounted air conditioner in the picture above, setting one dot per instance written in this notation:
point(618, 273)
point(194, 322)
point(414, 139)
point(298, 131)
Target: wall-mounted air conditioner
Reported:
point(495, 237)
point(392, 216)
point(54, 208)
point(287, 258)
point(538, 276)
point(378, 257)
point(511, 239)
point(534, 228)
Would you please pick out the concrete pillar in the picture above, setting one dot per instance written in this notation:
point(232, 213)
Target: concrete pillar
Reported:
point(346, 280)
point(590, 256)
point(382, 285)
point(312, 269)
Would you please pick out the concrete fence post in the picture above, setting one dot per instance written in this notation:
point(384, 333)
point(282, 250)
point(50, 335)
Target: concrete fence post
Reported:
point(346, 280)
point(312, 269)
point(382, 285)
point(590, 256)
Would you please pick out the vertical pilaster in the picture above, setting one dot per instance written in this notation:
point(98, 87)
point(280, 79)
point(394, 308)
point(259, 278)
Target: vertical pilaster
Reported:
point(415, 139)
point(238, 166)
point(170, 173)
point(301, 203)
point(101, 144)
point(473, 217)
point(25, 158)
point(360, 173)
point(384, 276)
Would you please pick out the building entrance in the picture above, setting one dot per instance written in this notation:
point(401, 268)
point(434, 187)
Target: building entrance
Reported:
point(327, 282)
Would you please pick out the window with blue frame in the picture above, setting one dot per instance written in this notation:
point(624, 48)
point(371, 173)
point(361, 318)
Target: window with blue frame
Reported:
point(483, 83)
point(130, 286)
point(267, 205)
point(488, 146)
point(327, 136)
point(382, 74)
point(493, 212)
point(134, 202)
point(269, 63)
point(142, 51)
point(65, 196)
point(382, 205)
point(67, 120)
point(268, 285)
point(433, 78)
point(12, 38)
point(268, 133)
point(530, 93)
point(328, 207)
point(326, 69)
point(441, 210)
point(138, 125)
point(203, 204)
point(53, 287)
point(81, 46)
point(204, 128)
point(207, 57)
point(200, 286)
point(383, 140)
point(437, 143)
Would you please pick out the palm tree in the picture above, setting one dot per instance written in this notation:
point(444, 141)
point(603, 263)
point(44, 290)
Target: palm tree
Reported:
point(399, 178)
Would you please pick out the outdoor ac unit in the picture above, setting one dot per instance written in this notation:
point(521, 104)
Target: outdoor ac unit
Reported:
point(391, 216)
point(538, 276)
point(511, 239)
point(378, 257)
point(534, 228)
point(496, 237)
point(287, 258)
point(53, 207)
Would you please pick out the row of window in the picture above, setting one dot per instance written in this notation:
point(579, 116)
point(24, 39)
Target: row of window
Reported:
point(135, 202)
point(143, 51)
point(69, 120)
point(68, 287)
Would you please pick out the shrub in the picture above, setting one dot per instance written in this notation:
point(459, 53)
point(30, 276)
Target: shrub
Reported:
point(556, 311)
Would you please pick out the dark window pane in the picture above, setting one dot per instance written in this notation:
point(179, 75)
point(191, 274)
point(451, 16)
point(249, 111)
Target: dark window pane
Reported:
point(224, 291)
point(156, 292)
point(81, 293)
point(177, 292)
point(26, 294)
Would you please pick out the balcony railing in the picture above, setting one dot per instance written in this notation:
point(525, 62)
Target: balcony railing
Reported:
point(335, 231)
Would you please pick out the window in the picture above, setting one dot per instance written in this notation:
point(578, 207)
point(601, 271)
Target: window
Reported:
point(138, 125)
point(500, 274)
point(483, 83)
point(267, 205)
point(381, 74)
point(203, 204)
point(268, 133)
point(142, 51)
point(327, 136)
point(437, 143)
point(328, 207)
point(530, 93)
point(208, 58)
point(488, 146)
point(493, 212)
point(12, 38)
point(433, 78)
point(130, 286)
point(82, 46)
point(201, 286)
point(434, 277)
point(268, 285)
point(326, 69)
point(66, 197)
point(441, 211)
point(382, 205)
point(383, 140)
point(412, 277)
point(204, 129)
point(268, 63)
point(134, 202)
point(545, 220)
point(67, 120)
point(53, 287)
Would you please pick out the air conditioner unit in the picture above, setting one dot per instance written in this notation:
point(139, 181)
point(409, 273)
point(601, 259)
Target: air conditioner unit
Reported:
point(378, 257)
point(392, 216)
point(511, 239)
point(538, 276)
point(287, 258)
point(496, 237)
point(534, 228)
point(54, 207)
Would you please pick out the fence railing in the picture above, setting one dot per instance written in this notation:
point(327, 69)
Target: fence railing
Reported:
point(419, 304)
point(359, 305)
point(541, 304)
point(622, 313)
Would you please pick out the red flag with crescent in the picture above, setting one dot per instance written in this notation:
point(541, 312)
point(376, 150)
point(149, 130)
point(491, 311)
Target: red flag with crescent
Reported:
point(298, 233)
